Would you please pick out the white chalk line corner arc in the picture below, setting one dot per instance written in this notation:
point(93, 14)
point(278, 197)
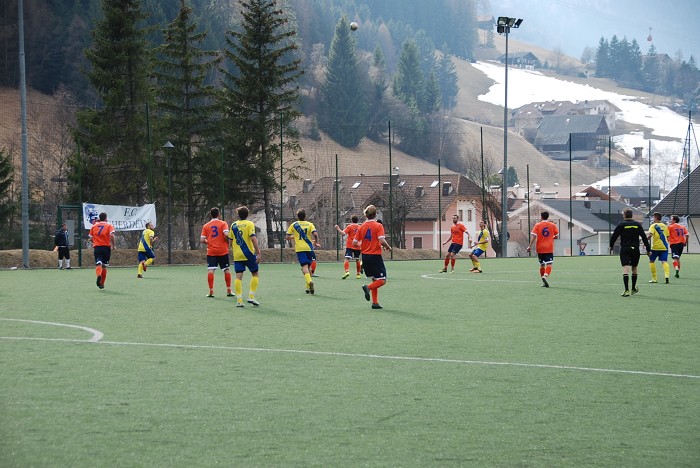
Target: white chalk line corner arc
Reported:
point(96, 334)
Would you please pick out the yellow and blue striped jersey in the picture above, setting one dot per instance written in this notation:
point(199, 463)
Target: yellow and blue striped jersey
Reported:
point(241, 234)
point(302, 231)
point(659, 236)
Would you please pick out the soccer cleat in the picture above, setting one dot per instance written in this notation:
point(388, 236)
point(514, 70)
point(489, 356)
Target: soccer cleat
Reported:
point(314, 275)
point(239, 304)
point(452, 270)
point(444, 270)
point(308, 292)
point(678, 274)
point(346, 274)
point(60, 268)
point(229, 293)
point(626, 293)
point(376, 306)
point(69, 268)
point(311, 287)
point(211, 294)
point(139, 276)
point(635, 291)
point(667, 281)
point(99, 282)
point(545, 283)
point(366, 290)
point(474, 270)
point(145, 267)
point(358, 276)
point(653, 281)
point(254, 302)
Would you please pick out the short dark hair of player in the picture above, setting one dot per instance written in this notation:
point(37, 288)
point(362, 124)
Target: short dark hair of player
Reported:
point(301, 214)
point(214, 213)
point(103, 216)
point(149, 225)
point(370, 211)
point(242, 212)
point(355, 219)
point(657, 216)
point(544, 215)
point(676, 219)
point(628, 213)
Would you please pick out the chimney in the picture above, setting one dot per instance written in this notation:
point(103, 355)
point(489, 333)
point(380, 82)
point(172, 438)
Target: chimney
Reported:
point(419, 191)
point(587, 204)
point(386, 186)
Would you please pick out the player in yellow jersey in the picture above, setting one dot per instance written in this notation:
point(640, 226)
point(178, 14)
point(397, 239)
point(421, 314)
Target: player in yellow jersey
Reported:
point(482, 243)
point(305, 239)
point(146, 254)
point(246, 254)
point(658, 235)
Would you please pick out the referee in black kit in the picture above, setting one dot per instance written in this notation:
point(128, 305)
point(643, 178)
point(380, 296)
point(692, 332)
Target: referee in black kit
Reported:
point(629, 231)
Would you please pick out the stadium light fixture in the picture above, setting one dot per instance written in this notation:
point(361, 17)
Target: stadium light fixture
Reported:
point(167, 147)
point(503, 26)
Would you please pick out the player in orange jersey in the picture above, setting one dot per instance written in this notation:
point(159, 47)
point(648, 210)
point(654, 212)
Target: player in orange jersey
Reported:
point(544, 233)
point(215, 236)
point(351, 252)
point(370, 238)
point(457, 232)
point(678, 239)
point(102, 237)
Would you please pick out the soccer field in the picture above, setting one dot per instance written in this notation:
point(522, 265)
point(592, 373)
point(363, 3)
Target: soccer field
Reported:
point(457, 369)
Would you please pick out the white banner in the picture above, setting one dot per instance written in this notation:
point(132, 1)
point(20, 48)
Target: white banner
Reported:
point(123, 218)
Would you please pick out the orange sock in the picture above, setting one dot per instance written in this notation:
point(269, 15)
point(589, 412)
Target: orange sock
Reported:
point(104, 275)
point(548, 270)
point(452, 262)
point(359, 267)
point(210, 279)
point(376, 284)
point(375, 296)
point(542, 271)
point(227, 277)
point(447, 261)
point(313, 266)
point(346, 265)
point(98, 270)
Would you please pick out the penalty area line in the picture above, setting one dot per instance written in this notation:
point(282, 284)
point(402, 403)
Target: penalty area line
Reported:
point(379, 356)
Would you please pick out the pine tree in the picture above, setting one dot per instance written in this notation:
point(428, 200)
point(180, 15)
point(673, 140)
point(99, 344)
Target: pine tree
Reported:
point(260, 95)
point(409, 81)
point(185, 107)
point(651, 70)
point(8, 205)
point(378, 113)
point(602, 59)
point(344, 107)
point(113, 135)
point(447, 80)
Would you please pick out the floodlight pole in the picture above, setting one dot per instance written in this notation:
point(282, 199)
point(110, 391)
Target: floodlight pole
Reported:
point(167, 147)
point(503, 27)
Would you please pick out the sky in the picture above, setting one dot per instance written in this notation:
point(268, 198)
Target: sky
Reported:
point(572, 25)
point(526, 86)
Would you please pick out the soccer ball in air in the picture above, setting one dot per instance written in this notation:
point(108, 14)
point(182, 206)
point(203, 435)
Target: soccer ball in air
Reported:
point(354, 26)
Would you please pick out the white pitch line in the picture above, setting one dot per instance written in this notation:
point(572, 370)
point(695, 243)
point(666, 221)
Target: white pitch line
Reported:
point(374, 356)
point(96, 335)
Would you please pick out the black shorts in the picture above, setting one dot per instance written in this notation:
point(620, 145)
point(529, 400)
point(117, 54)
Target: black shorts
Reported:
point(221, 261)
point(629, 255)
point(102, 255)
point(676, 250)
point(373, 265)
point(545, 258)
point(454, 248)
point(64, 252)
point(352, 253)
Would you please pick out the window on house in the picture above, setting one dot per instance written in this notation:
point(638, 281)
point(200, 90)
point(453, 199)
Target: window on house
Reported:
point(460, 213)
point(417, 242)
point(469, 215)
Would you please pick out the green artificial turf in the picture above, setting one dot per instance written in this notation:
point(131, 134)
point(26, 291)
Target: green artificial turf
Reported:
point(457, 369)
